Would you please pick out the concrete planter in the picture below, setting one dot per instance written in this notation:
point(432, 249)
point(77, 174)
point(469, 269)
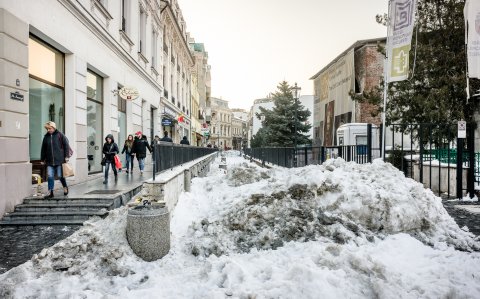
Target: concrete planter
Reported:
point(148, 231)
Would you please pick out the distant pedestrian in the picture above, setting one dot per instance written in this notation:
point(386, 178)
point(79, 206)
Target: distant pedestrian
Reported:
point(127, 149)
point(209, 145)
point(185, 141)
point(140, 146)
point(110, 149)
point(55, 151)
point(166, 138)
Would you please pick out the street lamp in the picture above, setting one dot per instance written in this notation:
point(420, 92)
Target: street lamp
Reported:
point(296, 93)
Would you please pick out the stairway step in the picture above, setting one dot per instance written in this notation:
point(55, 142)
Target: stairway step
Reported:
point(59, 213)
point(67, 200)
point(34, 222)
point(65, 205)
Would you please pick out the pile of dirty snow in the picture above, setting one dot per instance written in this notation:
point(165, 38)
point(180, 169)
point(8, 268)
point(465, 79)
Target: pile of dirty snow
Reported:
point(340, 201)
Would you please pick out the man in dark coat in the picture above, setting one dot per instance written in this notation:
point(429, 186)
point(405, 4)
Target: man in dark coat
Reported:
point(110, 149)
point(55, 151)
point(140, 146)
point(166, 138)
point(185, 141)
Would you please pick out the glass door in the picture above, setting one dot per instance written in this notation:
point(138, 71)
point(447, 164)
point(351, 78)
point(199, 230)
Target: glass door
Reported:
point(94, 122)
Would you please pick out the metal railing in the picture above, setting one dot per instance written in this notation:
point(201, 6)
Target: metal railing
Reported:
point(167, 155)
point(303, 156)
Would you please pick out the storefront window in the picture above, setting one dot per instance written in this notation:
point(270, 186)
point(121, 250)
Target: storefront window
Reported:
point(94, 121)
point(46, 92)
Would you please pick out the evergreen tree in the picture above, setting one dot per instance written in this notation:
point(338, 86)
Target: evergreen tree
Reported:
point(436, 89)
point(279, 123)
point(260, 139)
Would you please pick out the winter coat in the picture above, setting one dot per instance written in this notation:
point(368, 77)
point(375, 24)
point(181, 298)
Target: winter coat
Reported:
point(127, 148)
point(166, 139)
point(185, 141)
point(140, 147)
point(55, 148)
point(110, 149)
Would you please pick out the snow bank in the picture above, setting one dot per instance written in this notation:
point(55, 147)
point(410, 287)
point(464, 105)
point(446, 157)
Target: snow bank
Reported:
point(341, 201)
point(339, 230)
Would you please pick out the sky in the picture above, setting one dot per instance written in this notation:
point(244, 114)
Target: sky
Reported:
point(255, 44)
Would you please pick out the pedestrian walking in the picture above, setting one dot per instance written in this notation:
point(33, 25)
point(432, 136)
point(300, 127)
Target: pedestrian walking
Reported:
point(110, 149)
point(127, 149)
point(165, 137)
point(140, 146)
point(185, 141)
point(55, 151)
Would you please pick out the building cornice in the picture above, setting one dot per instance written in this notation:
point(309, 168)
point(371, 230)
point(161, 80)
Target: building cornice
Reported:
point(76, 8)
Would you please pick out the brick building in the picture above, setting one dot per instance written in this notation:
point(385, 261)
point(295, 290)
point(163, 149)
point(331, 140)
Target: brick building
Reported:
point(359, 68)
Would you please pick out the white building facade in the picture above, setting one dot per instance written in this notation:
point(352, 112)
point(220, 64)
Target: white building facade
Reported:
point(67, 65)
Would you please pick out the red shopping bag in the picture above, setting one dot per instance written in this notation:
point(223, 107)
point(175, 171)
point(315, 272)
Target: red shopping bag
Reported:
point(118, 163)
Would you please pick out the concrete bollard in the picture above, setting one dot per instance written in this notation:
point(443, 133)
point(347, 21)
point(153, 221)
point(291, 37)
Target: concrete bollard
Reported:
point(188, 180)
point(148, 231)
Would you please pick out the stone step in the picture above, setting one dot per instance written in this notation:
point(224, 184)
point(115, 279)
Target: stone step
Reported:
point(67, 200)
point(35, 222)
point(61, 207)
point(11, 217)
point(56, 213)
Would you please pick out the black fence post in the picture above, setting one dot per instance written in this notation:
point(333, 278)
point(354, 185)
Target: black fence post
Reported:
point(369, 143)
point(154, 162)
point(306, 156)
point(471, 160)
point(421, 153)
point(322, 155)
point(459, 168)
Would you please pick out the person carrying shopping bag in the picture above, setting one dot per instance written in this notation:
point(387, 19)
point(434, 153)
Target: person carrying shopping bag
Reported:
point(140, 146)
point(127, 149)
point(110, 149)
point(55, 151)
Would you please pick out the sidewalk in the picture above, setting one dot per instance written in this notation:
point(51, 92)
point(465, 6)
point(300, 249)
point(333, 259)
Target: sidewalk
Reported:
point(18, 244)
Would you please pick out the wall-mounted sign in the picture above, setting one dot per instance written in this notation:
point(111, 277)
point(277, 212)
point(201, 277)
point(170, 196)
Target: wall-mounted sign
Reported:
point(128, 93)
point(462, 129)
point(16, 96)
point(169, 111)
point(166, 122)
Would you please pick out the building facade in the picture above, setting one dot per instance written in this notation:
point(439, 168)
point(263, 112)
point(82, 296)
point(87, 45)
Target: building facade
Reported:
point(239, 129)
point(254, 123)
point(177, 66)
point(68, 66)
point(220, 124)
point(359, 68)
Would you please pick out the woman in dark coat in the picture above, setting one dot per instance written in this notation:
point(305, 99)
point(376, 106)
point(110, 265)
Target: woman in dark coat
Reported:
point(127, 149)
point(140, 146)
point(54, 152)
point(110, 149)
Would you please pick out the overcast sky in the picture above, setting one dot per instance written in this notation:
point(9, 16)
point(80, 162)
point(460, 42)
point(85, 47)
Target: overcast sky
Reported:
point(255, 44)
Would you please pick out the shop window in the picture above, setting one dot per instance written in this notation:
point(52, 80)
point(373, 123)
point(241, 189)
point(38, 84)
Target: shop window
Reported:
point(46, 92)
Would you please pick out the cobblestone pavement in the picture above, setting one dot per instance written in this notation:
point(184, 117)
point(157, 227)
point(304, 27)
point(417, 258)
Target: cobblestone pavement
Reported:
point(19, 244)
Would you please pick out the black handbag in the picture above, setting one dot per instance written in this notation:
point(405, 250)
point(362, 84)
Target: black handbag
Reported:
point(104, 161)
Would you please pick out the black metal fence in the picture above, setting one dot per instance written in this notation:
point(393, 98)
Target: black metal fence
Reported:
point(167, 155)
point(432, 154)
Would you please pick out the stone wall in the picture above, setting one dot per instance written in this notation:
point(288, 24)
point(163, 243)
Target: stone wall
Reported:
point(15, 167)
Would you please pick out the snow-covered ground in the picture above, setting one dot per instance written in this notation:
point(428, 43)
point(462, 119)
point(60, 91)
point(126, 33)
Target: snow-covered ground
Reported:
point(339, 230)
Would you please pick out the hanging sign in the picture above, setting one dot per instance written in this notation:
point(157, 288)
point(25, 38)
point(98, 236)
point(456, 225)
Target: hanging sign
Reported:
point(128, 93)
point(16, 96)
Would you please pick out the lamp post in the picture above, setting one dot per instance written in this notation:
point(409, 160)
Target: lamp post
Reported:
point(296, 93)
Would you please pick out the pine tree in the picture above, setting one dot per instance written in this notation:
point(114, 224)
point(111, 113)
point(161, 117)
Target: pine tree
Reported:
point(435, 91)
point(279, 123)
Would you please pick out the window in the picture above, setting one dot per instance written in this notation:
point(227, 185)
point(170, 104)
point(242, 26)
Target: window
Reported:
point(125, 12)
point(46, 91)
point(154, 49)
point(142, 31)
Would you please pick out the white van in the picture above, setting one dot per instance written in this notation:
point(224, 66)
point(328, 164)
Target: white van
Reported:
point(356, 134)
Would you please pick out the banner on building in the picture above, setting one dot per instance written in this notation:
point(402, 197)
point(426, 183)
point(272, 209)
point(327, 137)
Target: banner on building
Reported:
point(472, 27)
point(400, 29)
